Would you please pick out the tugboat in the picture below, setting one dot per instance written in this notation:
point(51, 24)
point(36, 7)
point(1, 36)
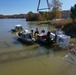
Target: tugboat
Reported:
point(17, 28)
point(25, 36)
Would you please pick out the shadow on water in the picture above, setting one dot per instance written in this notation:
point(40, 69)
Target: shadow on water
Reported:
point(56, 50)
point(24, 43)
point(20, 58)
point(28, 52)
point(13, 32)
point(19, 55)
point(15, 42)
point(15, 38)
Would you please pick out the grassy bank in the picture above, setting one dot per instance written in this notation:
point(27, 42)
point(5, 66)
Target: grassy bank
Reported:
point(61, 23)
point(68, 27)
point(73, 40)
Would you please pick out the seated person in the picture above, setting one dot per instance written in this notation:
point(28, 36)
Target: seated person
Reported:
point(36, 32)
point(43, 31)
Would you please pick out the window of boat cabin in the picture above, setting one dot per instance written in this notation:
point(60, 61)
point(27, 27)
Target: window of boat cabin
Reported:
point(23, 36)
point(28, 36)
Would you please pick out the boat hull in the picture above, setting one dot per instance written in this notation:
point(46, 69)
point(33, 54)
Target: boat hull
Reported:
point(25, 41)
point(44, 41)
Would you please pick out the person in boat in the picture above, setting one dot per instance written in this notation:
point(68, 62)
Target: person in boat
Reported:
point(55, 38)
point(19, 34)
point(36, 32)
point(32, 33)
point(48, 39)
point(43, 31)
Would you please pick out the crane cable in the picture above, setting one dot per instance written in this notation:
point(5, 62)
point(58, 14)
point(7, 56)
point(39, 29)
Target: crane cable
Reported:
point(43, 8)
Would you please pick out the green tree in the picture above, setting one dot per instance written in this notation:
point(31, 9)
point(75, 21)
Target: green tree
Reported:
point(73, 13)
point(46, 15)
point(33, 16)
point(30, 16)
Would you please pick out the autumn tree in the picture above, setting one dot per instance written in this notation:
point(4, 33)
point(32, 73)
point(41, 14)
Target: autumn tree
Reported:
point(56, 9)
point(73, 13)
point(38, 17)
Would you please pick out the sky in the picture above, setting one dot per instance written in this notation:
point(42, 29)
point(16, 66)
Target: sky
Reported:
point(10, 7)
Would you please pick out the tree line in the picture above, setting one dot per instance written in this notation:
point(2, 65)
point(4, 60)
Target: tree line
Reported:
point(42, 16)
point(13, 16)
point(73, 13)
point(54, 13)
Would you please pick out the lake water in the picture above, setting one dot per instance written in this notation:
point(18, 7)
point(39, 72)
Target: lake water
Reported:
point(22, 59)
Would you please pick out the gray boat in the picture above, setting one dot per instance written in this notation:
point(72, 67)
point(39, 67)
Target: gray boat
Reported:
point(26, 37)
point(17, 28)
